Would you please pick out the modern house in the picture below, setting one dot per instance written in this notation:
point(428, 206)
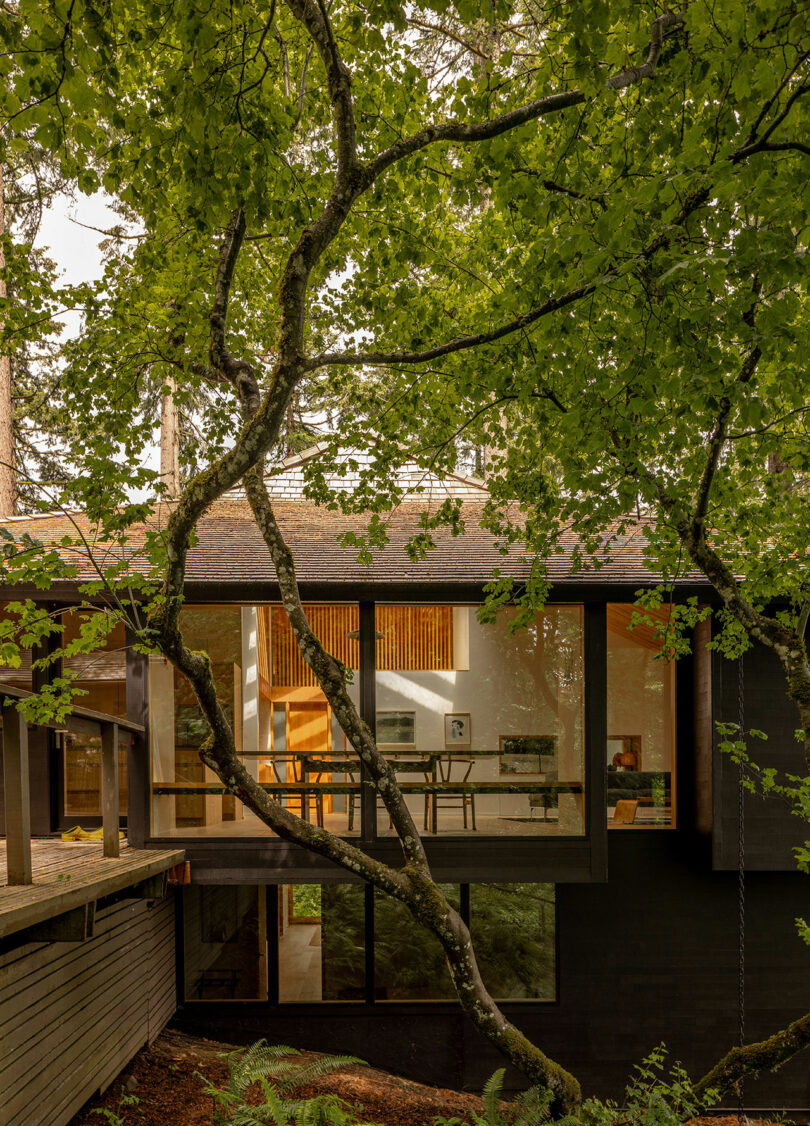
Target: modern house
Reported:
point(565, 776)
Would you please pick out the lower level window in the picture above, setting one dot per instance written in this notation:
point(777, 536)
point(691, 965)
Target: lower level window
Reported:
point(342, 942)
point(321, 942)
point(225, 943)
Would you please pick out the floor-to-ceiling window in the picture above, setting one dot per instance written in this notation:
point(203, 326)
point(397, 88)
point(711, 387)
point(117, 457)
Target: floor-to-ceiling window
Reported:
point(284, 730)
point(640, 719)
point(483, 723)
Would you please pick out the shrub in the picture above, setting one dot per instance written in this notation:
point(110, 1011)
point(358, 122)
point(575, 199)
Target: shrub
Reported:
point(652, 1098)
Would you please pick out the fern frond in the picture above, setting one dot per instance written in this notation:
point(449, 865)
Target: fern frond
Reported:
point(492, 1097)
point(324, 1110)
point(288, 1076)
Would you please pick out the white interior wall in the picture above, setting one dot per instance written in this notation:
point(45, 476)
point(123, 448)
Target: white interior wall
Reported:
point(640, 699)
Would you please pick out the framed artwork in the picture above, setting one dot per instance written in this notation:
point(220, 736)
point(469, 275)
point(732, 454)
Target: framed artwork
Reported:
point(396, 729)
point(624, 752)
point(527, 754)
point(457, 731)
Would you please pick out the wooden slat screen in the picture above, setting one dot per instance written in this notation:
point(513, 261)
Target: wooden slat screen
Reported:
point(331, 625)
point(413, 637)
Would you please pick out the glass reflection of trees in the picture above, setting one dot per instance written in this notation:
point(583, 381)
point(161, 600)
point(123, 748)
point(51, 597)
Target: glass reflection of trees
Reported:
point(513, 929)
point(409, 963)
point(343, 942)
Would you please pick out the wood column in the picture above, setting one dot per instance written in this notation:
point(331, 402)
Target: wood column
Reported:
point(17, 796)
point(368, 711)
point(596, 737)
point(138, 751)
point(110, 812)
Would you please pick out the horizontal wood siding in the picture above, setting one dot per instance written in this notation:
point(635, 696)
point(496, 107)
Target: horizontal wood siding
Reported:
point(74, 1014)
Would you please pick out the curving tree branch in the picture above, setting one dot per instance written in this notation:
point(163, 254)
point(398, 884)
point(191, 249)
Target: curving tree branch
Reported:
point(751, 1059)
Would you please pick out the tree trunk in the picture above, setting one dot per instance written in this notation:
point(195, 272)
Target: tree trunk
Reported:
point(169, 440)
point(421, 895)
point(8, 476)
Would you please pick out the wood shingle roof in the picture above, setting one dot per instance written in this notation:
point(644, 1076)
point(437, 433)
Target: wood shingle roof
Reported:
point(230, 550)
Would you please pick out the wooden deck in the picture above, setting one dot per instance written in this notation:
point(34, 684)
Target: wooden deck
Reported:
point(71, 875)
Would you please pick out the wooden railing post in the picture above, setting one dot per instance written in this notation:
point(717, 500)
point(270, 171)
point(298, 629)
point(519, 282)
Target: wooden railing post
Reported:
point(17, 796)
point(109, 788)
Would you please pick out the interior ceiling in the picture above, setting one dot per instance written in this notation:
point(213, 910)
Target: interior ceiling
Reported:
point(620, 616)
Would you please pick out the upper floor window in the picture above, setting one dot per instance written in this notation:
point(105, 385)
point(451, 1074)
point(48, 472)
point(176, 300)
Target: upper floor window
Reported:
point(641, 721)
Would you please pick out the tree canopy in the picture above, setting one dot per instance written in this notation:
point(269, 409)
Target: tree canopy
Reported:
point(572, 235)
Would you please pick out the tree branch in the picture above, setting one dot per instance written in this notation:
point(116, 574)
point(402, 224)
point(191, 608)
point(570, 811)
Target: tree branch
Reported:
point(692, 202)
point(541, 107)
point(765, 1055)
point(647, 69)
point(329, 674)
point(459, 344)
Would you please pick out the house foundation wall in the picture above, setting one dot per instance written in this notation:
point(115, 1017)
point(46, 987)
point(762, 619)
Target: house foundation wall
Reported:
point(73, 1014)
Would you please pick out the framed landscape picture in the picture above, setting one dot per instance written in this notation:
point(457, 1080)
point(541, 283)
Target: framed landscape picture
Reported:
point(396, 729)
point(527, 754)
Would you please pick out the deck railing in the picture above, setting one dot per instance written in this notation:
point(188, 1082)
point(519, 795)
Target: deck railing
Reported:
point(16, 780)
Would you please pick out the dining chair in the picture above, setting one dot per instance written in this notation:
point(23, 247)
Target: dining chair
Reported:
point(464, 802)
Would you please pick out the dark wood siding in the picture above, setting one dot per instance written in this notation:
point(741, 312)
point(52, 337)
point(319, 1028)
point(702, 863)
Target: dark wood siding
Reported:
point(771, 832)
point(703, 727)
point(74, 1014)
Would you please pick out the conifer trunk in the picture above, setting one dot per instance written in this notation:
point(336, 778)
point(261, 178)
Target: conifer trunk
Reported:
point(8, 477)
point(169, 440)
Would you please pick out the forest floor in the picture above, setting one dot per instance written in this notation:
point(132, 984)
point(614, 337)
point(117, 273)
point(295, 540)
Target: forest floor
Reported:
point(165, 1081)
point(166, 1088)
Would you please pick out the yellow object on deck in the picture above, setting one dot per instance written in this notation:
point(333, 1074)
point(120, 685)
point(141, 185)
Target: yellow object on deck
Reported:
point(77, 833)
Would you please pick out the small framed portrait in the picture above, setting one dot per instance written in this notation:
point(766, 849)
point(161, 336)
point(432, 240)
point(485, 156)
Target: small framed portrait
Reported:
point(457, 731)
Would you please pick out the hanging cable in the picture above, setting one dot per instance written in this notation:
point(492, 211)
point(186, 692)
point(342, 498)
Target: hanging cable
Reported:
point(741, 885)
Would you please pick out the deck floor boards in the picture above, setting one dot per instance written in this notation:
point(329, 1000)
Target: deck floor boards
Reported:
point(70, 874)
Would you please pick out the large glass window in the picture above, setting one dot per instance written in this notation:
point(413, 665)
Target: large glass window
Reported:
point(409, 962)
point(641, 721)
point(328, 939)
point(283, 727)
point(321, 943)
point(483, 725)
point(225, 943)
point(513, 933)
point(101, 677)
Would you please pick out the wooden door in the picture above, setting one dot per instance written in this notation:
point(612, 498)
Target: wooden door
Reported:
point(309, 732)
